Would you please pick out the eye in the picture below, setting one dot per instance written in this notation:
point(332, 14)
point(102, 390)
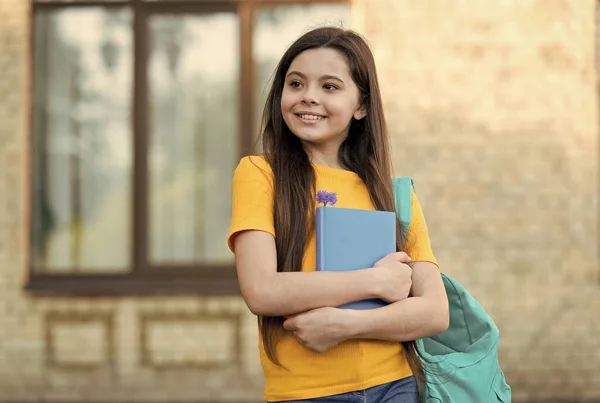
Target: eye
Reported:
point(295, 84)
point(330, 87)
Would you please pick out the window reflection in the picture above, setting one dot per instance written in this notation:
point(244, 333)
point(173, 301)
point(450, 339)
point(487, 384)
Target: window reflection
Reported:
point(82, 138)
point(194, 141)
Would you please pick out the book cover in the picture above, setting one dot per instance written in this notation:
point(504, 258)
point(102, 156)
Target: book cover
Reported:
point(353, 239)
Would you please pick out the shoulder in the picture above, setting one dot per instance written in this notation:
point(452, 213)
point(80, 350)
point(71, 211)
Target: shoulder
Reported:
point(253, 162)
point(414, 198)
point(253, 171)
point(417, 210)
point(253, 168)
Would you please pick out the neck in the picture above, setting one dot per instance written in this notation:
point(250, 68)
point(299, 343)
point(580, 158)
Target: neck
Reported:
point(326, 156)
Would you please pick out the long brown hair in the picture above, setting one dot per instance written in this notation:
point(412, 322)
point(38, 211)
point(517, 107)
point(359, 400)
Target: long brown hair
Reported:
point(366, 151)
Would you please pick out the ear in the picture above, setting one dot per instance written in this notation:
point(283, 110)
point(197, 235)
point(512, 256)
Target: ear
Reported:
point(360, 113)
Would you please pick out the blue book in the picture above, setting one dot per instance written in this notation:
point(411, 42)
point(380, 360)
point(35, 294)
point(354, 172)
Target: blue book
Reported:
point(353, 239)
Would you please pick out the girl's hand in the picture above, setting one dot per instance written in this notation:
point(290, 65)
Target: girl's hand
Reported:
point(393, 277)
point(318, 329)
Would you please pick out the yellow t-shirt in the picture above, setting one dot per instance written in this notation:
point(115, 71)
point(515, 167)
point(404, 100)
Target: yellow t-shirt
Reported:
point(353, 364)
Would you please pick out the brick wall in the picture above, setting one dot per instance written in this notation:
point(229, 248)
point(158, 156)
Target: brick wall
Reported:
point(13, 89)
point(492, 107)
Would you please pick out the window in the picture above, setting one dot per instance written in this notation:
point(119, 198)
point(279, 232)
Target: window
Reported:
point(141, 111)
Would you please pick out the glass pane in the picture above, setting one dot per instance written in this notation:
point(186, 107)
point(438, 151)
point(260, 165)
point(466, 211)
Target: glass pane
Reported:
point(276, 28)
point(82, 140)
point(194, 141)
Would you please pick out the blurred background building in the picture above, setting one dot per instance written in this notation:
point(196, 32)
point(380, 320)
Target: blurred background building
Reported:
point(121, 122)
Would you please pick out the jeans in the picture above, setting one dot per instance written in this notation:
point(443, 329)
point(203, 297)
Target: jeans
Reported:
point(400, 391)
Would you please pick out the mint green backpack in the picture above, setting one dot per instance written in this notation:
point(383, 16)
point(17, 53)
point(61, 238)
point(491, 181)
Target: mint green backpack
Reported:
point(461, 364)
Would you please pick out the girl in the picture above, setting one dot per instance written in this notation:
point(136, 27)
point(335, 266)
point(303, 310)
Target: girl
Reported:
point(323, 128)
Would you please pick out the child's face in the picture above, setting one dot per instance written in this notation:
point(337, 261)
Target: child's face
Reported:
point(320, 98)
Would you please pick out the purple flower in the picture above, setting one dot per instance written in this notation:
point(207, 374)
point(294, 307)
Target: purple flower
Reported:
point(327, 198)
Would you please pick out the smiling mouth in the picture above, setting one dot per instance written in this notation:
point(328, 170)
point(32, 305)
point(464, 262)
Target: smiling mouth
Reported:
point(310, 117)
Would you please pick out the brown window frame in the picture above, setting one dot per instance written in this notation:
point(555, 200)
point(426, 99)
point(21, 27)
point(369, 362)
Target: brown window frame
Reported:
point(143, 278)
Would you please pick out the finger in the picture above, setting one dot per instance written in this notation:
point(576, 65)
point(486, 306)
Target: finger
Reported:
point(402, 257)
point(290, 325)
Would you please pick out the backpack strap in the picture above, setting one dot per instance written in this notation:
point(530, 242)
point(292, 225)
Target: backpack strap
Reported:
point(402, 188)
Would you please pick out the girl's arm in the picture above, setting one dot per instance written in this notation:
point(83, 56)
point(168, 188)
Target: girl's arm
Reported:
point(271, 293)
point(424, 314)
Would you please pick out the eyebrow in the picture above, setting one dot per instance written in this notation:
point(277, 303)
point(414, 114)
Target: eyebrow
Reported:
point(323, 78)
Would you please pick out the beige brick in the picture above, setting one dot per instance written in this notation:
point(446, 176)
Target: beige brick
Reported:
point(195, 343)
point(492, 108)
point(80, 343)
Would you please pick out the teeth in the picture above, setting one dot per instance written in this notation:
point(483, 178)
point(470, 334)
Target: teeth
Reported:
point(311, 117)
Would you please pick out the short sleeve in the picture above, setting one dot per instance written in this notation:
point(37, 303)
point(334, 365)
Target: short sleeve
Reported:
point(252, 198)
point(418, 244)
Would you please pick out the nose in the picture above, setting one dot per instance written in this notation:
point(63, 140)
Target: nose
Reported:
point(308, 98)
